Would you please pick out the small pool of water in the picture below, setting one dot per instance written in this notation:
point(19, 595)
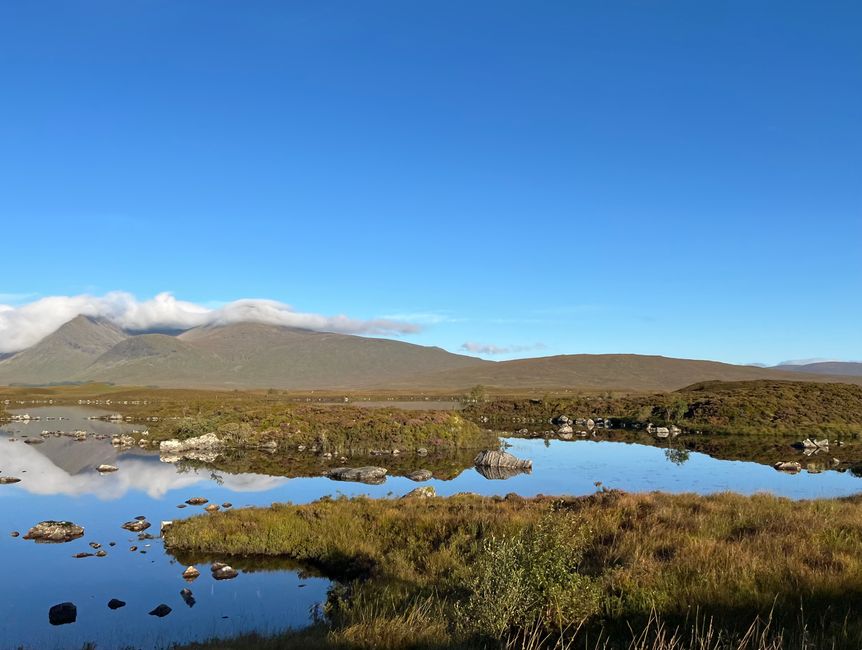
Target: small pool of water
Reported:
point(59, 481)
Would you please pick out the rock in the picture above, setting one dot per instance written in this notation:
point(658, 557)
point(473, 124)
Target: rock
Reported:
point(499, 473)
point(8, 480)
point(661, 432)
point(78, 556)
point(101, 553)
point(495, 458)
point(424, 492)
point(191, 573)
point(123, 441)
point(14, 533)
point(373, 475)
point(197, 501)
point(136, 526)
point(674, 430)
point(115, 604)
point(791, 467)
point(37, 441)
point(182, 505)
point(54, 532)
point(95, 545)
point(63, 614)
point(565, 429)
point(566, 436)
point(211, 508)
point(133, 549)
point(225, 572)
point(188, 597)
point(226, 505)
point(422, 451)
point(420, 475)
point(207, 442)
point(161, 611)
point(561, 420)
point(216, 566)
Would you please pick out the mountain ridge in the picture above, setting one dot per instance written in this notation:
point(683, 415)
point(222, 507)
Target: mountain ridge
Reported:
point(258, 355)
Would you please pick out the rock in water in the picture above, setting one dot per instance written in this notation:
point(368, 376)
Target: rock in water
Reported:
point(104, 469)
point(372, 475)
point(115, 604)
point(188, 598)
point(8, 480)
point(494, 458)
point(420, 475)
point(63, 614)
point(196, 501)
point(191, 573)
point(791, 467)
point(54, 532)
point(161, 611)
point(136, 526)
point(424, 492)
point(224, 572)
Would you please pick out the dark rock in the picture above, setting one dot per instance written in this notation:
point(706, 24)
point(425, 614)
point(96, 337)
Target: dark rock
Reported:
point(78, 556)
point(63, 614)
point(115, 604)
point(161, 611)
point(14, 533)
point(188, 598)
point(225, 573)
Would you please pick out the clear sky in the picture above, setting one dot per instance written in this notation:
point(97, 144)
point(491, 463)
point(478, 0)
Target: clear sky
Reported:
point(679, 178)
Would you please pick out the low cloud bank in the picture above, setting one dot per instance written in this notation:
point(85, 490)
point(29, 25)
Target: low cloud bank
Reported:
point(490, 349)
point(25, 325)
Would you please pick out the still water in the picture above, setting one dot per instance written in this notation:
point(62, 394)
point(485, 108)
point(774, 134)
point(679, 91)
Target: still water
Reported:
point(59, 482)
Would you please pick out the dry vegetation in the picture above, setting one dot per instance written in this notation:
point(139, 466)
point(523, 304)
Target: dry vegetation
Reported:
point(470, 571)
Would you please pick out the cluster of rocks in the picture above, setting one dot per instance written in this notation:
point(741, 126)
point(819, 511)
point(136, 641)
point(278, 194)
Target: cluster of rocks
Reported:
point(54, 532)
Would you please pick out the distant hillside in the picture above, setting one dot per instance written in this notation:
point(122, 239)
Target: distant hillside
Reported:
point(846, 368)
point(254, 355)
point(62, 355)
point(603, 372)
point(245, 355)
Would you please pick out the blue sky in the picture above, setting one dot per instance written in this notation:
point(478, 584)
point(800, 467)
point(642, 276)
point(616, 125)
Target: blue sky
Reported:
point(677, 178)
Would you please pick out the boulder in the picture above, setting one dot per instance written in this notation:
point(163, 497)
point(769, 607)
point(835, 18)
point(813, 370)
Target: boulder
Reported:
point(161, 611)
point(8, 480)
point(420, 475)
point(565, 429)
point(197, 501)
point(370, 474)
point(211, 508)
point(191, 573)
point(136, 526)
point(54, 532)
point(63, 614)
point(422, 451)
point(206, 442)
point(103, 469)
point(115, 604)
point(496, 458)
point(224, 572)
point(791, 467)
point(424, 492)
point(188, 598)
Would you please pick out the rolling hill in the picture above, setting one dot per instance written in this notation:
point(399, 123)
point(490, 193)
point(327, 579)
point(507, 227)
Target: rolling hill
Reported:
point(847, 368)
point(254, 355)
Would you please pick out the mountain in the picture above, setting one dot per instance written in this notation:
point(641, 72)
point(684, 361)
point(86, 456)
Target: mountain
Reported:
point(254, 355)
point(62, 355)
point(847, 368)
point(605, 372)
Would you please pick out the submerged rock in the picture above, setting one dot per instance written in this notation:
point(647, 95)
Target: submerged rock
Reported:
point(188, 597)
point(63, 614)
point(54, 532)
point(161, 611)
point(495, 458)
point(370, 474)
point(420, 475)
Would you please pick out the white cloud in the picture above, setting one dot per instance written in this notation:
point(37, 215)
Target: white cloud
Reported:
point(25, 325)
point(490, 349)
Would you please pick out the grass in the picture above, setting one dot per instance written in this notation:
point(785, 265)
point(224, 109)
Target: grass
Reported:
point(753, 407)
point(469, 571)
